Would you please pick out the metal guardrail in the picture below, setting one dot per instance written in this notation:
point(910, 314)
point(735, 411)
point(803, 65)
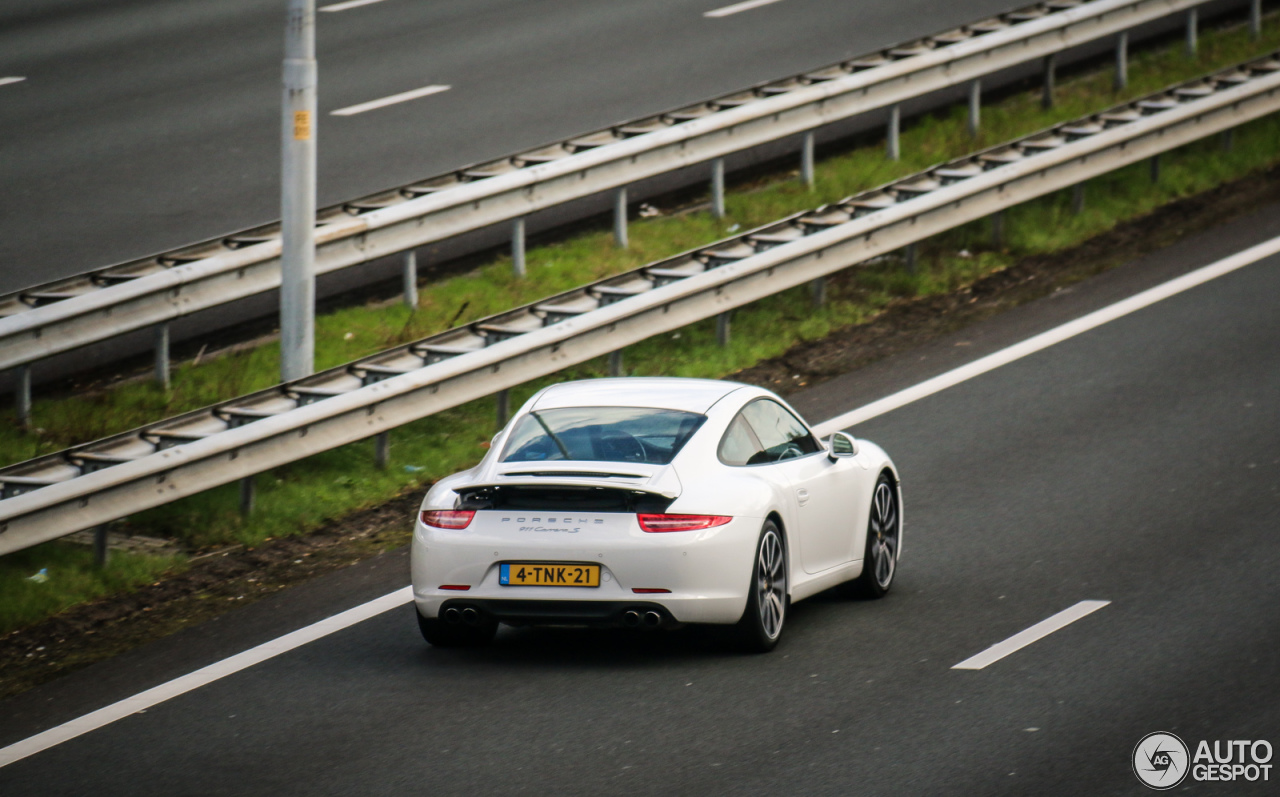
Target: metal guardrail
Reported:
point(89, 485)
point(61, 316)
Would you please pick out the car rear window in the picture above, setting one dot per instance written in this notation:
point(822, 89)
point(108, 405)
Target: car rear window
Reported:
point(601, 434)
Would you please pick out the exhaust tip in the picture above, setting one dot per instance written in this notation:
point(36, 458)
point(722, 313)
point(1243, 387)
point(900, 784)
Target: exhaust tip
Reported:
point(652, 619)
point(470, 616)
point(631, 618)
point(452, 615)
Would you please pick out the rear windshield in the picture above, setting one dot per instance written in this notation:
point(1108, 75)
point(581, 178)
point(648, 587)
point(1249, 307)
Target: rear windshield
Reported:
point(601, 434)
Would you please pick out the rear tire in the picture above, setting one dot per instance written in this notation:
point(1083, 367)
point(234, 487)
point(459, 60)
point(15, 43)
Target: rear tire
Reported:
point(761, 625)
point(884, 537)
point(443, 635)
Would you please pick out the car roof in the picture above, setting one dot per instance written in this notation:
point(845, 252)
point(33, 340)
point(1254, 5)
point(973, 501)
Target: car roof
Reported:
point(671, 393)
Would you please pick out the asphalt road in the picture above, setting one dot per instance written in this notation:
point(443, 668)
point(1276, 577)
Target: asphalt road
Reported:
point(1138, 463)
point(143, 125)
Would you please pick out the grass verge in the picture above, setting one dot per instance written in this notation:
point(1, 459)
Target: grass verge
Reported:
point(300, 497)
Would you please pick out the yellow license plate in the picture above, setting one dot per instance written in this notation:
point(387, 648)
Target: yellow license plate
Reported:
point(542, 574)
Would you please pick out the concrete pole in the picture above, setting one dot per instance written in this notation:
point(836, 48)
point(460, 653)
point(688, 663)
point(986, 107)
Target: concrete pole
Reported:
point(892, 149)
point(298, 194)
point(615, 363)
point(1122, 62)
point(1192, 31)
point(975, 107)
point(517, 247)
point(22, 395)
point(717, 188)
point(620, 218)
point(1050, 78)
point(410, 277)
point(162, 355)
point(806, 159)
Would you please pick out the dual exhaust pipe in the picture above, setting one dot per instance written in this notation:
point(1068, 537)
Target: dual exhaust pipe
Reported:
point(453, 615)
point(633, 618)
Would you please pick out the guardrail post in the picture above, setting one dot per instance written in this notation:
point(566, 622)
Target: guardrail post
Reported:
point(620, 218)
point(1155, 168)
point(381, 450)
point(997, 229)
point(517, 247)
point(1255, 18)
point(806, 159)
point(909, 256)
point(1228, 139)
point(410, 277)
point(723, 328)
point(1192, 31)
point(1077, 198)
point(101, 546)
point(503, 401)
point(717, 188)
point(1050, 77)
point(248, 493)
point(1122, 61)
point(818, 291)
point(162, 355)
point(975, 107)
point(891, 144)
point(22, 395)
point(615, 363)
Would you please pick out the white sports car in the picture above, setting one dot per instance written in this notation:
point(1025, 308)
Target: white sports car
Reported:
point(653, 502)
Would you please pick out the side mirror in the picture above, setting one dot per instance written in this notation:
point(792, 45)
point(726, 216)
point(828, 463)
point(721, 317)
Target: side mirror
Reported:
point(841, 445)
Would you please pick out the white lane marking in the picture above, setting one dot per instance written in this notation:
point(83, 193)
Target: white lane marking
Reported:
point(405, 96)
point(1046, 339)
point(348, 4)
point(737, 7)
point(1036, 632)
point(194, 680)
point(267, 650)
point(4, 81)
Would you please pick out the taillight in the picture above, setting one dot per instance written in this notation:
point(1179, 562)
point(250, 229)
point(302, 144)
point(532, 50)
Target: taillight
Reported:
point(654, 523)
point(448, 518)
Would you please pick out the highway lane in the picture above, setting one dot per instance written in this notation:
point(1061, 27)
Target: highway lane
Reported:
point(148, 124)
point(1138, 463)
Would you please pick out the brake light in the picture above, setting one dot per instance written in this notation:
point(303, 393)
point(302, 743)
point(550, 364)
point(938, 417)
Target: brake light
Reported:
point(457, 587)
point(650, 591)
point(448, 518)
point(654, 523)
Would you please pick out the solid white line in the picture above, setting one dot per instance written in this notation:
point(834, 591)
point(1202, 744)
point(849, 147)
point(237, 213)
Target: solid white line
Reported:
point(348, 4)
point(1046, 339)
point(205, 675)
point(736, 7)
point(4, 81)
point(1036, 632)
point(425, 91)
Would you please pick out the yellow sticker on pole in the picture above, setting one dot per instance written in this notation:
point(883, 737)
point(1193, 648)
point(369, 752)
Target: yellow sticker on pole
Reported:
point(302, 125)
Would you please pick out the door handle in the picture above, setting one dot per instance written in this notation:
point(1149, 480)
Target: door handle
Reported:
point(803, 495)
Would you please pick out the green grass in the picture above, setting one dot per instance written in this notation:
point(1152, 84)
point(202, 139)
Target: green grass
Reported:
point(301, 496)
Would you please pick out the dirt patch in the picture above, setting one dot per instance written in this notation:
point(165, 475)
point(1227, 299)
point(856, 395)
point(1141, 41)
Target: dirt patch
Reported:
point(223, 580)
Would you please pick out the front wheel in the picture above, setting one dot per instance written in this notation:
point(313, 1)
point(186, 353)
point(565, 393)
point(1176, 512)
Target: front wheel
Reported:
point(761, 623)
point(884, 536)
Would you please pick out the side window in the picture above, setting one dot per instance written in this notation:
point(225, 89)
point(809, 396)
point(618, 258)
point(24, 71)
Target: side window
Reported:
point(781, 434)
point(738, 447)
